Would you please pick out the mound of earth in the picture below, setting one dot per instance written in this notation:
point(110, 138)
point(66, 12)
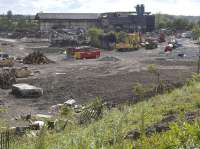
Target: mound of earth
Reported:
point(36, 58)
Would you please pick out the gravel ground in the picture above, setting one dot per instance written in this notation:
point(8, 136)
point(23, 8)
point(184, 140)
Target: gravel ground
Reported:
point(84, 80)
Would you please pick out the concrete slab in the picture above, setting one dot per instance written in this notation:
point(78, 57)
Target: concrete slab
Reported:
point(26, 91)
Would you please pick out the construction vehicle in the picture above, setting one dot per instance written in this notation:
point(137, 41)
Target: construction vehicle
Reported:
point(87, 54)
point(131, 42)
point(84, 52)
point(151, 44)
point(3, 56)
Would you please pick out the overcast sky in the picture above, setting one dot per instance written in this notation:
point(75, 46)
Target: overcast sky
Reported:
point(177, 7)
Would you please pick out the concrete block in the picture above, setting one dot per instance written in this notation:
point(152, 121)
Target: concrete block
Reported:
point(26, 91)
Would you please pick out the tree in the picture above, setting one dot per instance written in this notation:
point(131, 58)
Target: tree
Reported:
point(181, 24)
point(10, 22)
point(9, 14)
point(198, 23)
point(196, 30)
point(169, 21)
point(120, 36)
point(94, 34)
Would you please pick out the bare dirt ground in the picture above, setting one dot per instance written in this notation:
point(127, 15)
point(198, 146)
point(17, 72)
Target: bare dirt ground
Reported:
point(84, 80)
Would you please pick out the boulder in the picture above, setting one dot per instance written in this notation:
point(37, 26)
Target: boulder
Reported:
point(55, 108)
point(36, 125)
point(39, 123)
point(70, 102)
point(22, 72)
point(21, 130)
point(26, 91)
point(133, 135)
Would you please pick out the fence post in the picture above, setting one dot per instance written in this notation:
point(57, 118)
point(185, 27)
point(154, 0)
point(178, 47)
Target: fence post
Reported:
point(5, 140)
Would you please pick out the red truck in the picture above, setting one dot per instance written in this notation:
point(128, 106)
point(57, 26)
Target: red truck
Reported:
point(85, 52)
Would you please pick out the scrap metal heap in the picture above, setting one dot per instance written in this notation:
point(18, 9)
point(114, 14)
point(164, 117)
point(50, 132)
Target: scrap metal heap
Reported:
point(36, 58)
point(7, 78)
point(67, 37)
point(7, 63)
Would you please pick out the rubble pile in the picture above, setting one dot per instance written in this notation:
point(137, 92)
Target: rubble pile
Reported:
point(7, 78)
point(7, 63)
point(36, 58)
point(18, 34)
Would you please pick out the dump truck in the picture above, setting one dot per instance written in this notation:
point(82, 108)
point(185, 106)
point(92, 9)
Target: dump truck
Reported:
point(87, 54)
point(131, 42)
point(84, 52)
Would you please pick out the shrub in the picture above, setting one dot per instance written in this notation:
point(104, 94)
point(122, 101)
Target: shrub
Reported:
point(94, 34)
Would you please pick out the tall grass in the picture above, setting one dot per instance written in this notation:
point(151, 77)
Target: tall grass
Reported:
point(109, 132)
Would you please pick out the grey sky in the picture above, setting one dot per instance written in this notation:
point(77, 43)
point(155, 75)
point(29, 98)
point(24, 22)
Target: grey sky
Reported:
point(178, 7)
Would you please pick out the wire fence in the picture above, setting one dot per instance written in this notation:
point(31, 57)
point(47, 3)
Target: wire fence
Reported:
point(93, 112)
point(9, 140)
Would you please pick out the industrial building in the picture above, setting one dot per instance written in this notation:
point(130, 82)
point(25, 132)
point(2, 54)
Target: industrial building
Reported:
point(138, 20)
point(50, 21)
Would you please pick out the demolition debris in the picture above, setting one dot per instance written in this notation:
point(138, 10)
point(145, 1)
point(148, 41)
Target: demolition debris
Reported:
point(7, 78)
point(36, 58)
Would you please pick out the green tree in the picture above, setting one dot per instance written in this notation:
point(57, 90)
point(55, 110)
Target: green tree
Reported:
point(163, 21)
point(120, 36)
point(6, 24)
point(180, 23)
point(168, 21)
point(196, 30)
point(94, 34)
point(198, 23)
point(9, 14)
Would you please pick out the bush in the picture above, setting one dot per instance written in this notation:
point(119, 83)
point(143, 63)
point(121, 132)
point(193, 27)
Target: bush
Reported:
point(94, 34)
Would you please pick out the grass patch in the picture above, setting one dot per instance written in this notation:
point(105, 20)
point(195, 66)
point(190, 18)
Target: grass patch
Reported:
point(109, 132)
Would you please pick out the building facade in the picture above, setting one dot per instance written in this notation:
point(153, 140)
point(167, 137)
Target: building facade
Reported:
point(50, 21)
point(125, 21)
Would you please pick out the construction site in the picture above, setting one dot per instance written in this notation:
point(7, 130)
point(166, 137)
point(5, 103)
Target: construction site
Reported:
point(69, 62)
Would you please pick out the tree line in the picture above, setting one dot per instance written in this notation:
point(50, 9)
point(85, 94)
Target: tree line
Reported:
point(10, 22)
point(174, 22)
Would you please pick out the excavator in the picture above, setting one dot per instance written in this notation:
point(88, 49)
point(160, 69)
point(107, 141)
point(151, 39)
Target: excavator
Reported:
point(131, 42)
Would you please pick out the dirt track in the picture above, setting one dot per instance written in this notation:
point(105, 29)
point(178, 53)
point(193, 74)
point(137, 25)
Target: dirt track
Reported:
point(84, 80)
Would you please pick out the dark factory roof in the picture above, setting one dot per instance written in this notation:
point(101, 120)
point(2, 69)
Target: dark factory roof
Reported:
point(67, 16)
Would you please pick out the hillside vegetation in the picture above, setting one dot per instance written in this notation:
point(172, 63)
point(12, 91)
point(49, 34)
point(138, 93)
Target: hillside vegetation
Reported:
point(176, 22)
point(143, 125)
